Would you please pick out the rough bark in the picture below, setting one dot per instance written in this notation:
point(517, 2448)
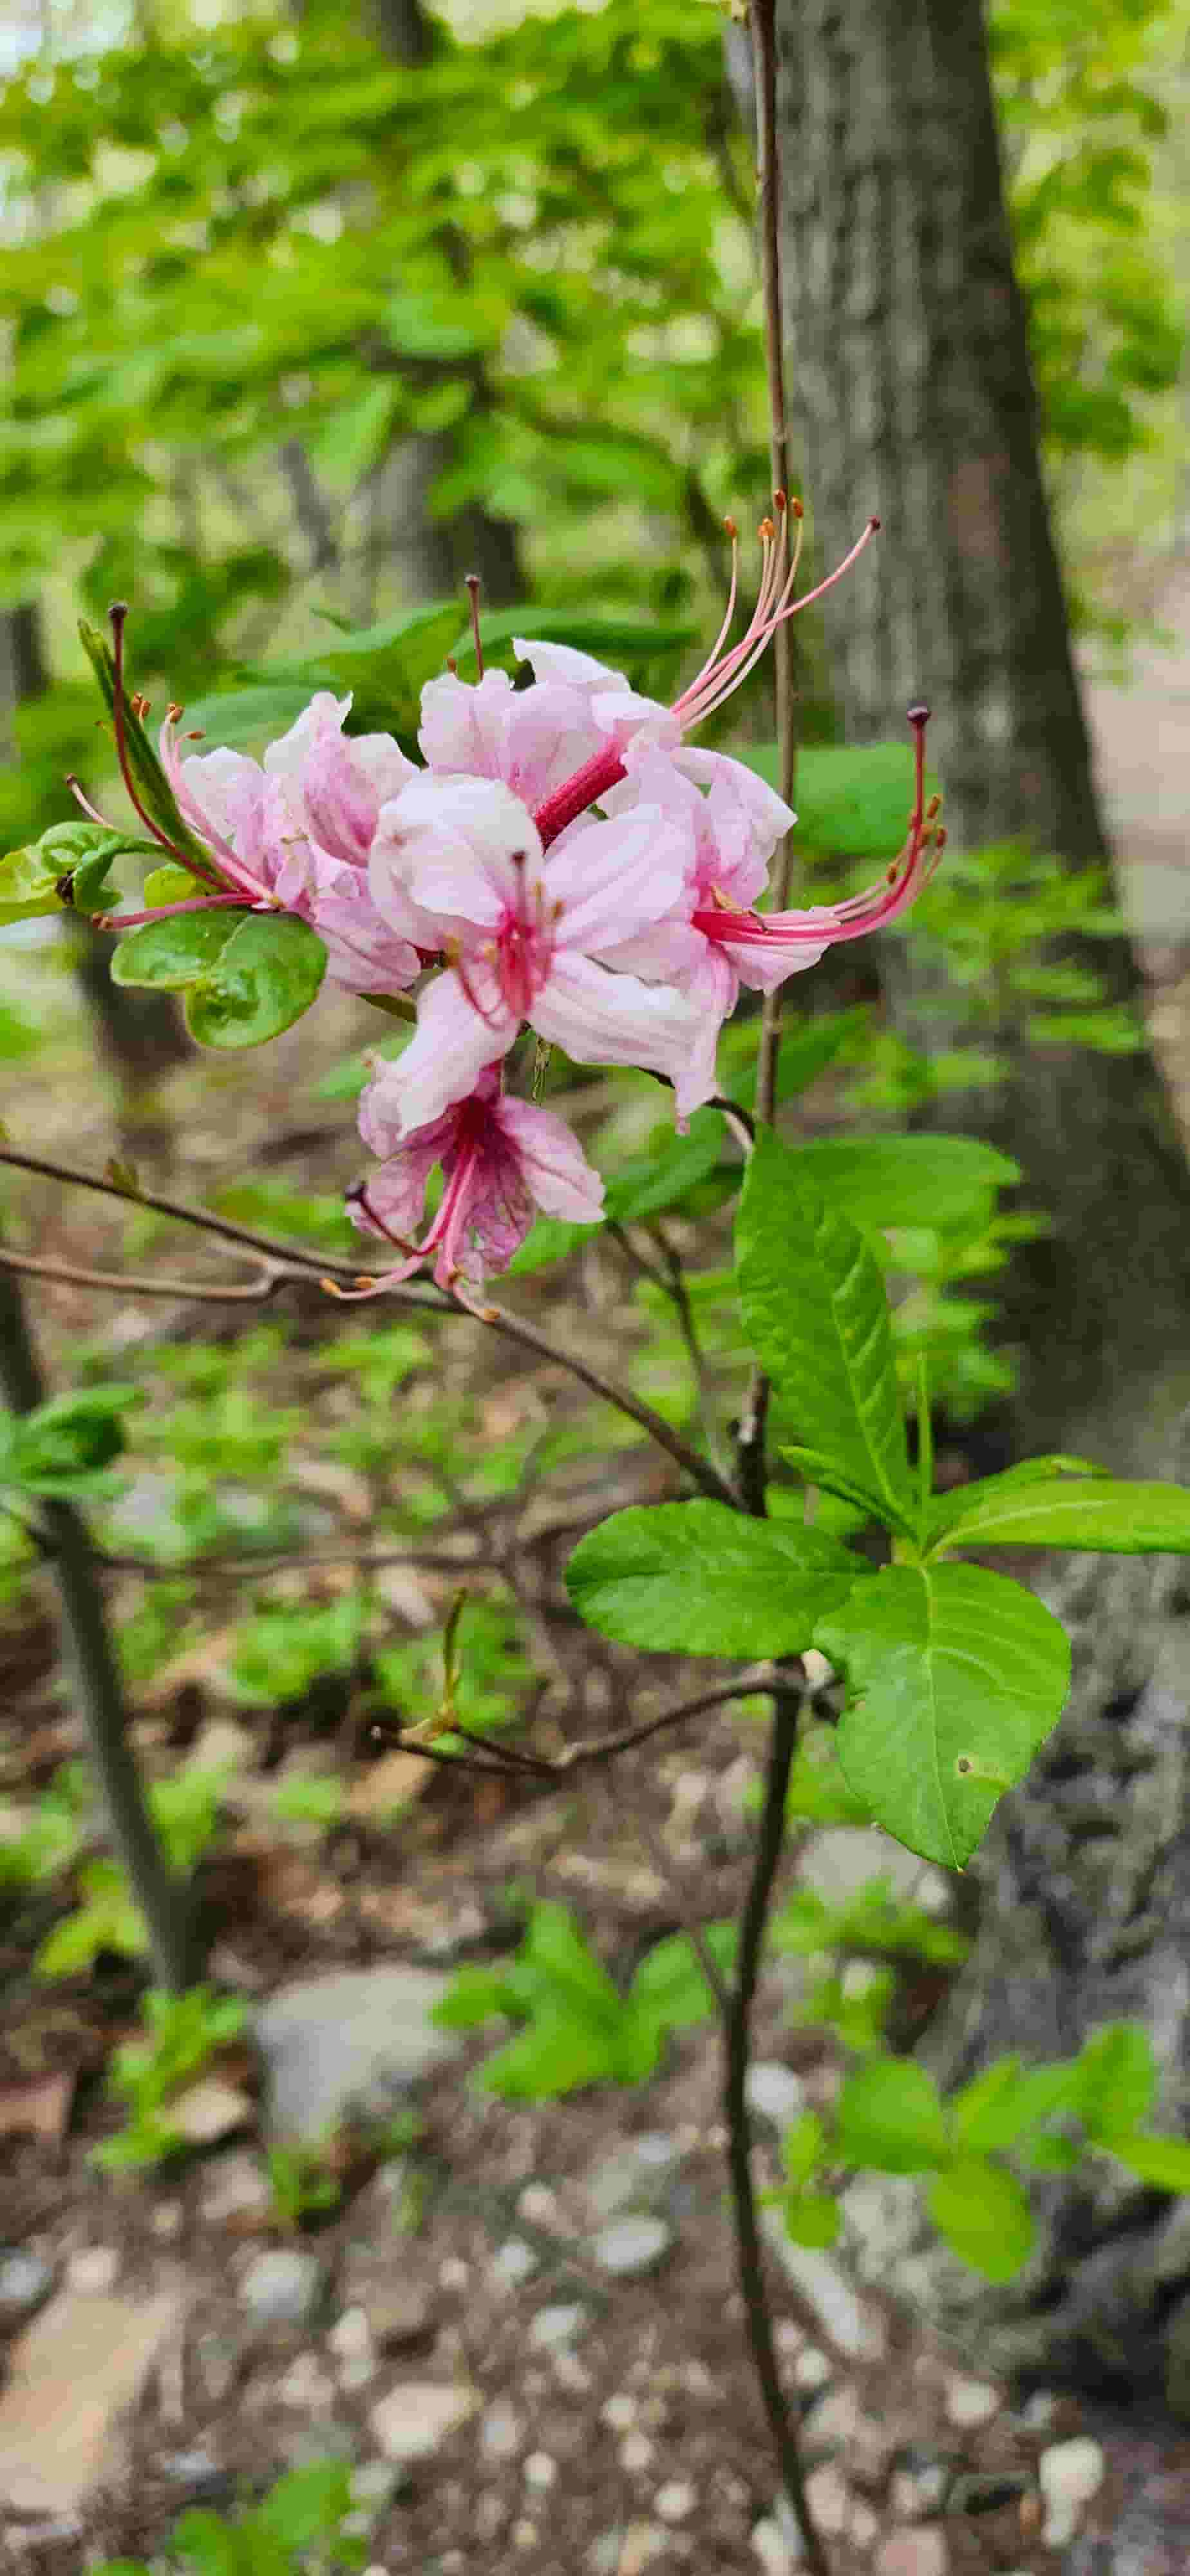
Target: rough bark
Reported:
point(912, 396)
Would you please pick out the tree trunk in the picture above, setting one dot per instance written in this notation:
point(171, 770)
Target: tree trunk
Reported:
point(911, 394)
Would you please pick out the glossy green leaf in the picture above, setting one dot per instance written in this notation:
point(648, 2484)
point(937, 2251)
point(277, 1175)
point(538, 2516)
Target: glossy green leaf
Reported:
point(654, 1182)
point(889, 2115)
point(552, 1239)
point(172, 884)
point(180, 951)
point(1117, 2081)
point(1104, 1513)
point(955, 1677)
point(815, 1311)
point(153, 787)
point(887, 1181)
point(246, 719)
point(699, 1579)
point(982, 2213)
point(268, 973)
point(852, 801)
point(1164, 2163)
point(633, 640)
point(28, 886)
point(810, 2217)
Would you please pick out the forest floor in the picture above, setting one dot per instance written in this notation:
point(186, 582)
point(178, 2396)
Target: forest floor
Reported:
point(575, 2419)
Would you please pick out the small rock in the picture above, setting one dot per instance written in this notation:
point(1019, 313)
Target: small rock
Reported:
point(540, 2471)
point(1039, 2410)
point(538, 2206)
point(970, 2402)
point(864, 2526)
point(619, 2412)
point(282, 2287)
point(75, 2373)
point(773, 2092)
point(166, 2221)
point(236, 2191)
point(514, 2262)
point(632, 2246)
point(524, 2535)
point(454, 2274)
point(920, 2552)
point(25, 2281)
point(642, 2542)
point(306, 2386)
point(777, 2555)
point(491, 2514)
point(675, 2501)
point(917, 2491)
point(836, 2418)
point(1069, 2474)
point(829, 2501)
point(501, 2432)
point(412, 2422)
point(848, 2323)
point(195, 2470)
point(637, 2454)
point(210, 2110)
point(572, 2374)
point(637, 2176)
point(373, 2486)
point(357, 2042)
point(350, 2338)
point(554, 2327)
point(812, 2369)
point(398, 2315)
point(94, 2270)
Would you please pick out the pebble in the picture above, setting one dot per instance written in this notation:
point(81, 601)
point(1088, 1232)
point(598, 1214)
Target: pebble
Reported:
point(1039, 2410)
point(399, 2314)
point(538, 2205)
point(637, 2453)
point(829, 2501)
point(454, 2274)
point(306, 2386)
point(501, 2432)
point(812, 2369)
point(411, 2422)
point(916, 2493)
point(514, 2262)
point(919, 2552)
point(1069, 2474)
point(773, 2092)
point(236, 2190)
point(849, 2324)
point(864, 2526)
point(675, 2501)
point(166, 2221)
point(25, 2280)
point(194, 2469)
point(524, 2535)
point(491, 2514)
point(360, 2040)
point(836, 2417)
point(373, 2485)
point(619, 2412)
point(210, 2110)
point(350, 2338)
point(282, 2287)
point(635, 2177)
point(642, 2542)
point(774, 2551)
point(632, 2246)
point(540, 2471)
point(94, 2270)
point(970, 2402)
point(554, 2327)
point(570, 2373)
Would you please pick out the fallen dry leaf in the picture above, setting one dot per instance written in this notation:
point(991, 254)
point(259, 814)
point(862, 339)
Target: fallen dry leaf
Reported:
point(40, 2109)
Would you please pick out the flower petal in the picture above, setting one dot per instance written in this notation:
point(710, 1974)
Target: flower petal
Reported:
point(562, 662)
point(616, 878)
point(462, 728)
point(452, 1045)
point(614, 1019)
point(452, 845)
point(557, 1171)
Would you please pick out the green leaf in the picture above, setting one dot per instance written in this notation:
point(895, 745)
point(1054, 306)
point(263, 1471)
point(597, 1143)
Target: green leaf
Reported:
point(555, 2055)
point(803, 2147)
point(552, 1239)
point(887, 1181)
point(172, 954)
point(385, 667)
point(699, 1579)
point(28, 886)
point(984, 2216)
point(67, 867)
point(264, 978)
point(889, 2115)
point(609, 639)
point(240, 719)
point(658, 1181)
point(153, 787)
point(1104, 1513)
point(955, 1677)
point(1164, 2163)
point(852, 803)
point(814, 1308)
point(172, 885)
point(670, 1988)
point(810, 2217)
point(1117, 2081)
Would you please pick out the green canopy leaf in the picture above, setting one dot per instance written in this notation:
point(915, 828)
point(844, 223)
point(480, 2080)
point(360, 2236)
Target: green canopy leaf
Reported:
point(982, 2212)
point(815, 1311)
point(699, 1579)
point(889, 2115)
point(955, 1678)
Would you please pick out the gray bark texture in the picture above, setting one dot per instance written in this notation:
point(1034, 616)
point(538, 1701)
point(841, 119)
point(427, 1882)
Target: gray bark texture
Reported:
point(911, 396)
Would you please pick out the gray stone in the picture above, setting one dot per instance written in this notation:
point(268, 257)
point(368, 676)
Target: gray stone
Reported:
point(282, 2287)
point(514, 2262)
point(632, 2246)
point(501, 2432)
point(236, 2190)
point(540, 2472)
point(373, 2486)
point(675, 2501)
point(76, 2372)
point(971, 2402)
point(197, 2473)
point(95, 2269)
point(1069, 2474)
point(25, 2282)
point(553, 2328)
point(828, 2292)
point(399, 2313)
point(773, 2092)
point(352, 2044)
point(412, 2422)
point(638, 2176)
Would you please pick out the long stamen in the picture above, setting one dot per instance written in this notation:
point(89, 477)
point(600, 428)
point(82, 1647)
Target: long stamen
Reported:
point(474, 585)
point(169, 911)
point(85, 801)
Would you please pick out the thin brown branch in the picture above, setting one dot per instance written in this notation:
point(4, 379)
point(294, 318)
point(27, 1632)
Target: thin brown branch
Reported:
point(69, 1274)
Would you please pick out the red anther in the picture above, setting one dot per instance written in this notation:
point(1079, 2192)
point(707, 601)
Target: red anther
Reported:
point(940, 840)
point(797, 509)
point(173, 712)
point(452, 666)
point(473, 585)
point(781, 498)
point(934, 807)
point(766, 530)
point(892, 873)
point(732, 528)
point(919, 714)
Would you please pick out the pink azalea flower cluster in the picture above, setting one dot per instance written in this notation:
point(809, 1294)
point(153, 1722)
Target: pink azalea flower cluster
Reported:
point(564, 860)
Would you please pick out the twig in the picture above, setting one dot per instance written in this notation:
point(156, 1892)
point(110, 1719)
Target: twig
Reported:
point(736, 2038)
point(164, 1900)
point(594, 1748)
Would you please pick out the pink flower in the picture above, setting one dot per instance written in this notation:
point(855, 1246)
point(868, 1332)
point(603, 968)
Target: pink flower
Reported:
point(295, 834)
point(520, 932)
point(532, 739)
point(499, 1158)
